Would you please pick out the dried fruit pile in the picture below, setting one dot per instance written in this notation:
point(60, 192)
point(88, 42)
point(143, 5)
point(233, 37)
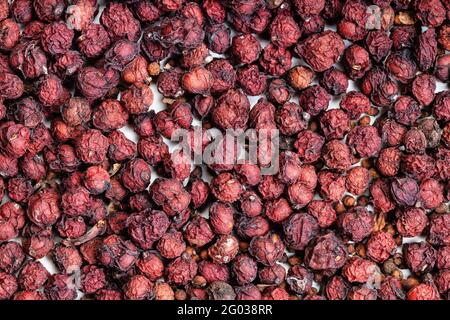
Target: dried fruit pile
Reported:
point(329, 225)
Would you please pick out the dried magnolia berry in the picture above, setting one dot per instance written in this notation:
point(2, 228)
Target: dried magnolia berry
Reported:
point(299, 230)
point(401, 65)
point(355, 103)
point(22, 11)
point(270, 188)
point(275, 60)
point(278, 91)
point(225, 187)
point(10, 32)
point(334, 81)
point(326, 253)
point(337, 155)
point(248, 228)
point(67, 258)
point(8, 285)
point(321, 50)
point(171, 244)
point(147, 226)
point(43, 207)
point(430, 128)
point(411, 221)
point(92, 279)
point(442, 261)
point(337, 288)
point(49, 10)
point(244, 269)
point(388, 161)
point(28, 58)
point(418, 166)
point(314, 100)
point(309, 145)
point(357, 180)
point(56, 38)
point(224, 249)
point(332, 185)
point(340, 188)
point(198, 232)
point(120, 54)
point(93, 41)
point(357, 61)
point(197, 81)
point(38, 242)
point(60, 287)
point(358, 223)
point(138, 288)
point(415, 141)
point(284, 31)
point(359, 270)
point(182, 270)
point(231, 110)
point(299, 195)
point(426, 49)
point(92, 146)
point(109, 115)
point(170, 195)
point(423, 291)
point(267, 249)
point(278, 210)
point(251, 80)
point(117, 253)
point(245, 48)
point(219, 290)
point(11, 257)
point(441, 106)
point(423, 88)
point(290, 119)
point(404, 191)
point(391, 132)
point(391, 289)
point(218, 38)
point(299, 279)
point(94, 83)
point(213, 271)
point(96, 180)
point(431, 193)
point(300, 77)
point(439, 232)
point(362, 293)
point(430, 13)
point(335, 123)
point(407, 111)
point(221, 218)
point(120, 148)
point(33, 276)
point(118, 20)
point(365, 141)
point(378, 44)
point(380, 246)
point(14, 139)
point(223, 74)
point(248, 292)
point(272, 274)
point(76, 201)
point(419, 256)
point(323, 211)
point(251, 204)
point(11, 87)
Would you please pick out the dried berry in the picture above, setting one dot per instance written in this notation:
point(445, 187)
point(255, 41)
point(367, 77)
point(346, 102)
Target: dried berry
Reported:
point(321, 50)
